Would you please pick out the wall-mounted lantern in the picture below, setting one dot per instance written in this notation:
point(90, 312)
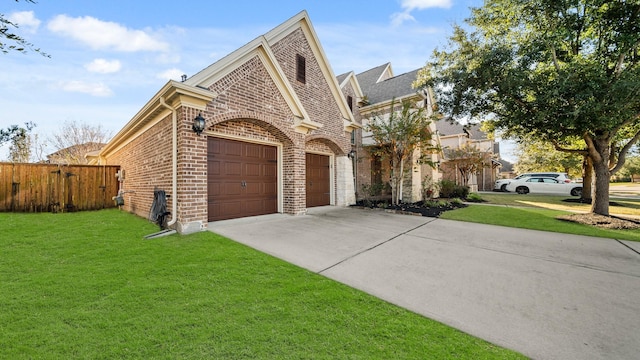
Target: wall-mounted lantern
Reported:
point(198, 124)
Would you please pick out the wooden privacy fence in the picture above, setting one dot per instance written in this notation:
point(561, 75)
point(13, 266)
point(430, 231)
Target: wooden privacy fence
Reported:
point(54, 188)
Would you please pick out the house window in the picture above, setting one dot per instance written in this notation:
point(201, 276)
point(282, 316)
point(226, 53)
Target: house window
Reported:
point(301, 69)
point(353, 137)
point(350, 102)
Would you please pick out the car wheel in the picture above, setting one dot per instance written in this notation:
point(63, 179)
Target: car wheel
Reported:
point(522, 190)
point(503, 188)
point(576, 191)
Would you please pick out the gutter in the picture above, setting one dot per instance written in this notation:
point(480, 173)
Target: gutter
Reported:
point(174, 167)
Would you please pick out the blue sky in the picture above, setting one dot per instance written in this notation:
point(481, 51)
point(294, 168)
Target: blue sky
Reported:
point(109, 57)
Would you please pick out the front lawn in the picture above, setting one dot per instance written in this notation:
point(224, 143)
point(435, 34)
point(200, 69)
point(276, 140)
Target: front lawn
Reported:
point(86, 285)
point(537, 212)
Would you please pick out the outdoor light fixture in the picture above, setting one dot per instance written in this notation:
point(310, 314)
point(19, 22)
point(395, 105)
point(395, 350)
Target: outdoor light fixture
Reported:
point(352, 154)
point(198, 124)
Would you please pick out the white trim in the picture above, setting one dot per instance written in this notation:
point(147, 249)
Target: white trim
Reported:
point(279, 154)
point(332, 174)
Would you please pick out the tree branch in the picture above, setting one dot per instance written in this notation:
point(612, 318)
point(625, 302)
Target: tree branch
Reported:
point(622, 155)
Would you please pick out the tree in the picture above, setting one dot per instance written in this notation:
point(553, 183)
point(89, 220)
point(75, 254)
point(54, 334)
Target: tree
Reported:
point(552, 70)
point(19, 141)
point(9, 41)
point(632, 167)
point(75, 140)
point(398, 134)
point(467, 159)
point(539, 156)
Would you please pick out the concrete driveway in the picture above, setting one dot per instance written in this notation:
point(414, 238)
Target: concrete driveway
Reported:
point(546, 295)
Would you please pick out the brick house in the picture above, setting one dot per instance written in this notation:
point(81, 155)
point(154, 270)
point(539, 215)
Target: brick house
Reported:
point(277, 136)
point(373, 91)
point(454, 136)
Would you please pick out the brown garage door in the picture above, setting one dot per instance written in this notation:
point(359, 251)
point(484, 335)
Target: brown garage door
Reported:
point(318, 177)
point(242, 179)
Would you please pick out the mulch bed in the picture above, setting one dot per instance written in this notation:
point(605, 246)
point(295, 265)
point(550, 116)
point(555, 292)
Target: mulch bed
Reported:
point(419, 208)
point(601, 221)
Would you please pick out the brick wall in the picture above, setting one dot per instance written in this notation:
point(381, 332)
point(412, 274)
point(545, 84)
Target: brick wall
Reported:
point(146, 167)
point(249, 107)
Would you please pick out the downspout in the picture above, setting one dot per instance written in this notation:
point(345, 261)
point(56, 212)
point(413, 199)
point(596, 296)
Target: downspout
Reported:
point(174, 159)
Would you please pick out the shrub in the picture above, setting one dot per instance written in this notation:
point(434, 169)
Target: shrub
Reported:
point(449, 189)
point(474, 197)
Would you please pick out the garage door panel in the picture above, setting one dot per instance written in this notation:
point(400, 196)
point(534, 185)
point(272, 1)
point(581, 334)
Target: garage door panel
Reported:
point(246, 183)
point(232, 148)
point(318, 180)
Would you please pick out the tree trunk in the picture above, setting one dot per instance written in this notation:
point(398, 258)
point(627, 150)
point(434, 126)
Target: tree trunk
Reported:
point(600, 203)
point(587, 179)
point(600, 162)
point(400, 181)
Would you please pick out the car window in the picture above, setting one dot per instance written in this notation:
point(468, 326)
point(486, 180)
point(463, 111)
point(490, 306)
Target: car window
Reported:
point(550, 181)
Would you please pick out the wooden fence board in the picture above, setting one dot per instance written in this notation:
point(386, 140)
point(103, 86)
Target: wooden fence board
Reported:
point(53, 188)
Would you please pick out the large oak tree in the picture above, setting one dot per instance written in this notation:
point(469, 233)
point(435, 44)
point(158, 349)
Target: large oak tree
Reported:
point(549, 69)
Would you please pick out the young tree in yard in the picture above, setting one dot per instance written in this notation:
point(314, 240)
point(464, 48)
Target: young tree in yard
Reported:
point(75, 140)
point(398, 136)
point(19, 141)
point(552, 70)
point(467, 159)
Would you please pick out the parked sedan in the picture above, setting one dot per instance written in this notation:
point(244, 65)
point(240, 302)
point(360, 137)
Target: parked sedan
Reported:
point(544, 185)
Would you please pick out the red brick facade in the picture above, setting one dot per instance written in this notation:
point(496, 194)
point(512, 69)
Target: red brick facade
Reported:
point(247, 100)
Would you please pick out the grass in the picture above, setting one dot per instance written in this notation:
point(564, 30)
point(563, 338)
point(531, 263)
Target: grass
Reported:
point(539, 212)
point(86, 285)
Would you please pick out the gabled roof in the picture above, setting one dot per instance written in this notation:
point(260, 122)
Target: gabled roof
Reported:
point(261, 47)
point(350, 78)
point(395, 87)
point(372, 76)
point(446, 128)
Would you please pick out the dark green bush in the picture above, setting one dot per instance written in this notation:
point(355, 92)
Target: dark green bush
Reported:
point(449, 189)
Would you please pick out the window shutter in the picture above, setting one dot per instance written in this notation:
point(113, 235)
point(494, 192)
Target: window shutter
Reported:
point(301, 69)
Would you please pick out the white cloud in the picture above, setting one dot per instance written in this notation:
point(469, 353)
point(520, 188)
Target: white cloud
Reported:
point(25, 20)
point(170, 74)
point(99, 34)
point(398, 18)
point(409, 5)
point(104, 66)
point(98, 89)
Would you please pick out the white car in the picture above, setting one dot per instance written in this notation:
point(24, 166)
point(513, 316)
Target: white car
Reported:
point(501, 184)
point(544, 185)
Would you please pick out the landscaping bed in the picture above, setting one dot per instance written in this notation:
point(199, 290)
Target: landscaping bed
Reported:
point(422, 208)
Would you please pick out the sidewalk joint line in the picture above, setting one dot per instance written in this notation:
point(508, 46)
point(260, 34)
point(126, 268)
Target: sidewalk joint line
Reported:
point(628, 247)
point(374, 246)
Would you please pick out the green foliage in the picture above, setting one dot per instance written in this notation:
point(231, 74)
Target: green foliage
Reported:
point(468, 159)
point(474, 197)
point(631, 167)
point(397, 134)
point(551, 70)
point(20, 141)
point(449, 189)
point(539, 156)
point(102, 292)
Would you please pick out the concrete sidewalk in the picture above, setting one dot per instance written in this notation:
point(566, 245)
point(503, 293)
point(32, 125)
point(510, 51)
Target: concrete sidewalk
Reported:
point(546, 295)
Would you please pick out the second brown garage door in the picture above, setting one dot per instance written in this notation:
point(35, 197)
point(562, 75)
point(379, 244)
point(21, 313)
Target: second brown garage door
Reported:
point(318, 180)
point(242, 179)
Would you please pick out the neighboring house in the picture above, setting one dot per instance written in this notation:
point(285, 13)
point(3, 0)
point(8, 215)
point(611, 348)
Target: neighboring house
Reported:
point(454, 136)
point(373, 91)
point(277, 136)
point(76, 154)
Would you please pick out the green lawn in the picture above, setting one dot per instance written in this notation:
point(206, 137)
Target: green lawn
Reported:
point(87, 286)
point(539, 212)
